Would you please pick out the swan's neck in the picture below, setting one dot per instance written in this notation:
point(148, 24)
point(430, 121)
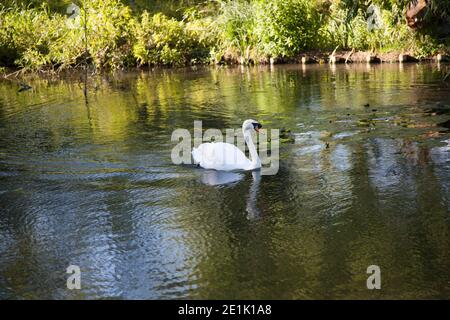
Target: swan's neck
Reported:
point(255, 161)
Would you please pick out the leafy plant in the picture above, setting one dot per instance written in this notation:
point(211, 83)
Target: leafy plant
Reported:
point(115, 34)
point(164, 40)
point(288, 26)
point(236, 27)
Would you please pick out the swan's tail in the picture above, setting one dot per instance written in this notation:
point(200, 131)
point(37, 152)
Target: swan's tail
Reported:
point(196, 155)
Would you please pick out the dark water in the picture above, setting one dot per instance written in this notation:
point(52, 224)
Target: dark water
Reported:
point(91, 183)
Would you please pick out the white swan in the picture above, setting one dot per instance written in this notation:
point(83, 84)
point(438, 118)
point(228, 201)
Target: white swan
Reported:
point(226, 156)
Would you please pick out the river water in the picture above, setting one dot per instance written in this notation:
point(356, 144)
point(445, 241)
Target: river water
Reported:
point(363, 179)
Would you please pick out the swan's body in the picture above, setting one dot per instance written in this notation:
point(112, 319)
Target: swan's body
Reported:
point(221, 156)
point(226, 156)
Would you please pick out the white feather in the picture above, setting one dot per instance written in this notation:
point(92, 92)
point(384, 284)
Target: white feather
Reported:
point(226, 156)
point(220, 156)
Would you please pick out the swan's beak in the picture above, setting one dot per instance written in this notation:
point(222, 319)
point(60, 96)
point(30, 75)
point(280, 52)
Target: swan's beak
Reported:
point(257, 126)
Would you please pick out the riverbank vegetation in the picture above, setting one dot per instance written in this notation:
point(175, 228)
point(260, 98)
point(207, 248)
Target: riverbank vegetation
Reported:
point(115, 34)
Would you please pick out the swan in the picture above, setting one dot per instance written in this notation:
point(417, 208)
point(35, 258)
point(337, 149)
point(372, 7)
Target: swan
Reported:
point(226, 156)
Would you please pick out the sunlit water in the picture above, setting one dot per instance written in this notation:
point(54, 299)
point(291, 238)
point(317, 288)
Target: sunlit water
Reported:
point(90, 182)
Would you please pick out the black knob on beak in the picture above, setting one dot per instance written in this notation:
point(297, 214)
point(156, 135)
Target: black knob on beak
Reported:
point(257, 126)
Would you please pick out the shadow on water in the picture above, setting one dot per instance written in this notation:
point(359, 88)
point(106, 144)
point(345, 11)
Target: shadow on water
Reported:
point(363, 179)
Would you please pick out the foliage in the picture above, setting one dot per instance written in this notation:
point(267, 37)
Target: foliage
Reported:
point(349, 29)
point(236, 27)
point(166, 41)
point(34, 38)
point(27, 35)
point(110, 34)
point(254, 29)
point(288, 26)
point(122, 33)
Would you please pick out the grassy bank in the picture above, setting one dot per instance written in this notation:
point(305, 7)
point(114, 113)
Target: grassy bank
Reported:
point(115, 34)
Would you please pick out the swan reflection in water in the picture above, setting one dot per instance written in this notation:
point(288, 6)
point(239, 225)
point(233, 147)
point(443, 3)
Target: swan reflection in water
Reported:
point(218, 178)
point(252, 209)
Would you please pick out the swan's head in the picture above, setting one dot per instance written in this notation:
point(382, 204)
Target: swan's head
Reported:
point(251, 125)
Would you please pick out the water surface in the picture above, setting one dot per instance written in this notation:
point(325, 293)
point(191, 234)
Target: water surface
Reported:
point(364, 179)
